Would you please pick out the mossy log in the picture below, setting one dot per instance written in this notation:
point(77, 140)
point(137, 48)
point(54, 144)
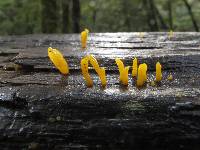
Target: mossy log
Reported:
point(42, 109)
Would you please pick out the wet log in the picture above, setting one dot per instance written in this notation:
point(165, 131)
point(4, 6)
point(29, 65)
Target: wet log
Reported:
point(41, 109)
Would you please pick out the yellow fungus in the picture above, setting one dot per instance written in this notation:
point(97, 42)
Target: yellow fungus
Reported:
point(141, 35)
point(94, 63)
point(100, 70)
point(58, 60)
point(84, 68)
point(142, 74)
point(84, 36)
point(102, 75)
point(170, 34)
point(124, 74)
point(123, 71)
point(170, 77)
point(152, 83)
point(120, 65)
point(135, 67)
point(158, 72)
point(86, 30)
point(145, 71)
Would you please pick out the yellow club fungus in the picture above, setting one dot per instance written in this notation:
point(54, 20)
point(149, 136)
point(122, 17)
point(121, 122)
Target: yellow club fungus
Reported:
point(102, 75)
point(100, 70)
point(84, 36)
point(58, 60)
point(170, 34)
point(123, 71)
point(120, 64)
point(170, 77)
point(142, 75)
point(94, 62)
point(86, 75)
point(135, 67)
point(158, 72)
point(124, 74)
point(145, 71)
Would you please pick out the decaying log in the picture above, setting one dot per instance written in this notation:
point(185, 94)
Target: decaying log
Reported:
point(41, 109)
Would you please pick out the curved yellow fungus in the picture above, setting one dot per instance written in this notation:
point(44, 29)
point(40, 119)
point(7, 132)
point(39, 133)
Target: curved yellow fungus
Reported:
point(158, 72)
point(84, 36)
point(86, 75)
point(135, 67)
point(119, 63)
point(100, 70)
point(86, 30)
point(102, 75)
point(123, 71)
point(94, 63)
point(170, 77)
point(58, 60)
point(142, 74)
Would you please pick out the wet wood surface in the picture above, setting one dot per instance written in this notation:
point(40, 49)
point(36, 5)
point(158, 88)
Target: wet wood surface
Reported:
point(41, 109)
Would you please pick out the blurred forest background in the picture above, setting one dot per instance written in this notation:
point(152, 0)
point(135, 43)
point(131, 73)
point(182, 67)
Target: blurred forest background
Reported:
point(72, 16)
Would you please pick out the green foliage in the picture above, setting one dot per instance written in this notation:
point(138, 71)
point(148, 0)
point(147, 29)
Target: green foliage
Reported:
point(20, 17)
point(24, 16)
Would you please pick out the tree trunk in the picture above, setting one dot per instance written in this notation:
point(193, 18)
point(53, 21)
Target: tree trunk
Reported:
point(170, 14)
point(151, 17)
point(76, 15)
point(66, 16)
point(94, 18)
point(125, 6)
point(162, 22)
point(191, 15)
point(49, 16)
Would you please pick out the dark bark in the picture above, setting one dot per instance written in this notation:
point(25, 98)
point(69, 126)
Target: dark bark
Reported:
point(41, 109)
point(76, 15)
point(191, 15)
point(66, 16)
point(170, 14)
point(49, 16)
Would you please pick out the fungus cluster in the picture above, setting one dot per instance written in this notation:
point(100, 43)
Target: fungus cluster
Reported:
point(123, 71)
point(138, 72)
point(99, 70)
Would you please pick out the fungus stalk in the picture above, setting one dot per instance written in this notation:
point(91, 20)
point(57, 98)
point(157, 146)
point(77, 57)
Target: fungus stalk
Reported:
point(84, 37)
point(123, 72)
point(135, 67)
point(58, 60)
point(85, 73)
point(158, 72)
point(142, 75)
